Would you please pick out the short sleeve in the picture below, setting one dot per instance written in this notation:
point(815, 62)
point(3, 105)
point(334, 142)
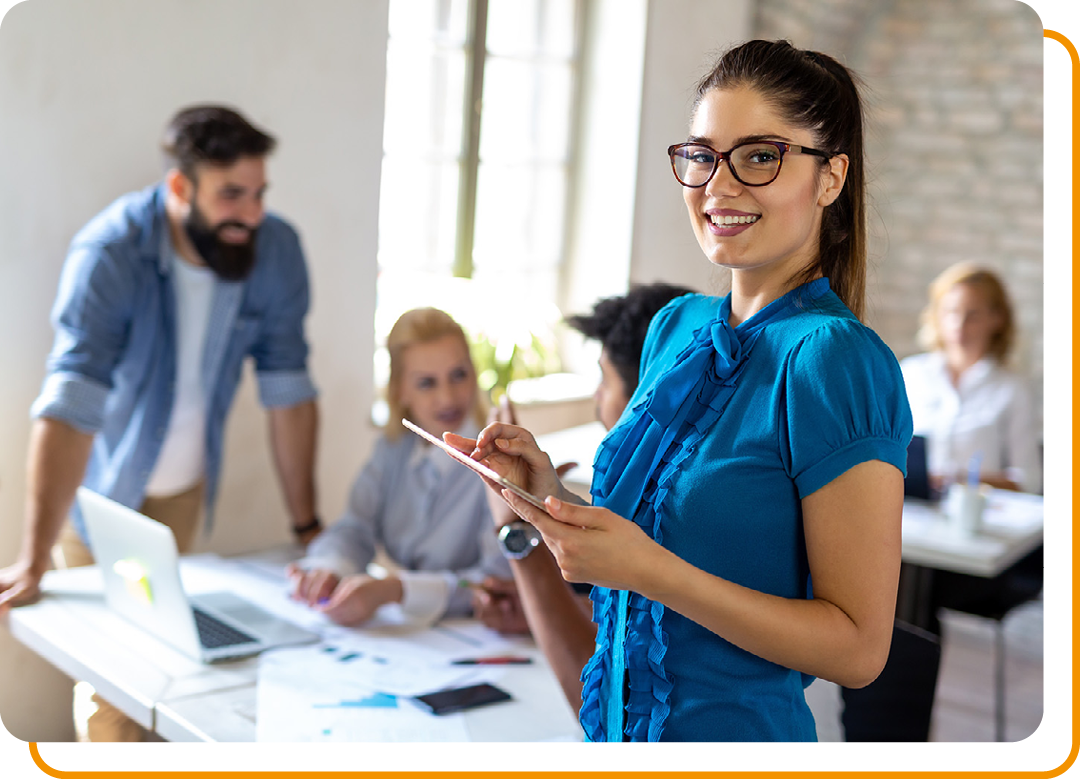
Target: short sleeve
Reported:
point(844, 404)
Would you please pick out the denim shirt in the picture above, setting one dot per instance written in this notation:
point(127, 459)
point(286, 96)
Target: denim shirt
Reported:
point(112, 369)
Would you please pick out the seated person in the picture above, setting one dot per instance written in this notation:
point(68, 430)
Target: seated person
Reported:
point(429, 513)
point(619, 323)
point(970, 407)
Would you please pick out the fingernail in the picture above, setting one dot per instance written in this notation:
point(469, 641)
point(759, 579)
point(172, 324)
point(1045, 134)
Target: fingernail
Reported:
point(502, 443)
point(554, 503)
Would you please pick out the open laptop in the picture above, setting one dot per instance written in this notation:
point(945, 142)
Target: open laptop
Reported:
point(917, 481)
point(140, 567)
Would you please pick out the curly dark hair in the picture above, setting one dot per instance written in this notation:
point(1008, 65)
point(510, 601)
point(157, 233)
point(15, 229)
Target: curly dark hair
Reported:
point(620, 323)
point(212, 134)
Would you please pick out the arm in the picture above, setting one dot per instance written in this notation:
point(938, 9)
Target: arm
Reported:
point(561, 628)
point(55, 465)
point(293, 432)
point(842, 634)
point(1022, 457)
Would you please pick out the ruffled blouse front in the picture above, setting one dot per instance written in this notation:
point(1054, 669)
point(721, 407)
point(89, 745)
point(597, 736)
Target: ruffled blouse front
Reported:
point(627, 687)
point(659, 434)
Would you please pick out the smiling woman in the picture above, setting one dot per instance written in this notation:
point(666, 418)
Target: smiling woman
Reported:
point(745, 532)
point(429, 513)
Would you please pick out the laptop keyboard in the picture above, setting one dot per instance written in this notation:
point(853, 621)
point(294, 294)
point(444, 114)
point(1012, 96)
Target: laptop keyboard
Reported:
point(214, 633)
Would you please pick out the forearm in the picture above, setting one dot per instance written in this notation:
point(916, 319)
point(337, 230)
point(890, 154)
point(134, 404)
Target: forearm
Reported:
point(55, 467)
point(560, 627)
point(813, 636)
point(293, 436)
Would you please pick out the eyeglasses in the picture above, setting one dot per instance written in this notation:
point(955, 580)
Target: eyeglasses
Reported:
point(753, 164)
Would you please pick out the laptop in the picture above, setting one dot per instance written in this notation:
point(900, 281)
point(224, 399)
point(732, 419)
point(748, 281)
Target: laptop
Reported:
point(917, 481)
point(139, 564)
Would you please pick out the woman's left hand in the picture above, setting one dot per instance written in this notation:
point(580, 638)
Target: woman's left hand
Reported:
point(592, 544)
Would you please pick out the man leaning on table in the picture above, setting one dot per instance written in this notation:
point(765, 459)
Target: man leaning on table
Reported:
point(161, 298)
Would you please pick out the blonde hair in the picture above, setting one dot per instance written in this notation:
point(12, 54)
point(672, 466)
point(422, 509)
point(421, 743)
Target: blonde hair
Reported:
point(420, 326)
point(972, 275)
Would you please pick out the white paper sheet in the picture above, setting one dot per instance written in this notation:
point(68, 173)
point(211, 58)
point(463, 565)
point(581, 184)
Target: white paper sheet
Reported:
point(322, 694)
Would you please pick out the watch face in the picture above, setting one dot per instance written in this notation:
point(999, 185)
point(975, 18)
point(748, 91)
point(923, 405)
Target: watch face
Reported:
point(518, 540)
point(515, 541)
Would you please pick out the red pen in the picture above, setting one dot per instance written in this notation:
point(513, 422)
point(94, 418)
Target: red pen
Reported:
point(499, 660)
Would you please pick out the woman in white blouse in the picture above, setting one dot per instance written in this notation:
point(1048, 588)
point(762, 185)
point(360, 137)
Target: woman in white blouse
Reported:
point(970, 407)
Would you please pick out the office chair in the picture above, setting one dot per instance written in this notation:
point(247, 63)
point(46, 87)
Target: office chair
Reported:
point(993, 599)
point(897, 705)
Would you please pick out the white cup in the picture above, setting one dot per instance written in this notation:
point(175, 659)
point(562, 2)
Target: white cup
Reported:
point(964, 506)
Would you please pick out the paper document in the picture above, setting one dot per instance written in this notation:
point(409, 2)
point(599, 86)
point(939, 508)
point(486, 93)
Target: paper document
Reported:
point(308, 694)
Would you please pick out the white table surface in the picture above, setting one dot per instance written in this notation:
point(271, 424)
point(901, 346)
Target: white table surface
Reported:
point(182, 699)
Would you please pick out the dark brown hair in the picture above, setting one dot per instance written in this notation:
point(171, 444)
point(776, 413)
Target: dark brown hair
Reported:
point(815, 92)
point(212, 134)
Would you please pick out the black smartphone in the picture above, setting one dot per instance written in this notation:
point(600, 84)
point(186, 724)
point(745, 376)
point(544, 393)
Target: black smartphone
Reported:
point(461, 698)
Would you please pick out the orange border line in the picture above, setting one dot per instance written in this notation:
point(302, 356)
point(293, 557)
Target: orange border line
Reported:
point(1074, 752)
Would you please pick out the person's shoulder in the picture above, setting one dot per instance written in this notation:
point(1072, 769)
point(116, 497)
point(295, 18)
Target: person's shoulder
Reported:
point(690, 310)
point(835, 336)
point(920, 363)
point(130, 219)
point(278, 234)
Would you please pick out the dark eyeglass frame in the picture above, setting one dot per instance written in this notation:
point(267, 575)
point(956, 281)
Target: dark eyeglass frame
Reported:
point(781, 149)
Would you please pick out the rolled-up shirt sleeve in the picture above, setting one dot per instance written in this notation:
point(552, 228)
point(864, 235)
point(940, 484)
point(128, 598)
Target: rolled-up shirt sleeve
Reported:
point(91, 317)
point(281, 350)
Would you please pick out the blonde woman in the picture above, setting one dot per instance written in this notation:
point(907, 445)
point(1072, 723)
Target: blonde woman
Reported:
point(429, 513)
point(972, 409)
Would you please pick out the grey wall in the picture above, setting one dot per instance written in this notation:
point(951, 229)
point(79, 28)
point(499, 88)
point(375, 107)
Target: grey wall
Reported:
point(85, 89)
point(954, 95)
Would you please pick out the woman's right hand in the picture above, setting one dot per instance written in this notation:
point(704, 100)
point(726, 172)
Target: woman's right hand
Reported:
point(512, 452)
point(311, 586)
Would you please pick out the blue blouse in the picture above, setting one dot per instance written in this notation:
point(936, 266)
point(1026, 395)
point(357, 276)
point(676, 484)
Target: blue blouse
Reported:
point(728, 431)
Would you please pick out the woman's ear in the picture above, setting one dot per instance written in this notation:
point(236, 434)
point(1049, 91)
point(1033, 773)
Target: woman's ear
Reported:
point(833, 180)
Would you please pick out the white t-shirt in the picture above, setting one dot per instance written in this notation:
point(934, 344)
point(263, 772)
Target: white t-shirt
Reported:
point(990, 414)
point(182, 460)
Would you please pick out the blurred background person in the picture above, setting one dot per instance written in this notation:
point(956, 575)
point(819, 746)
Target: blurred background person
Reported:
point(619, 323)
point(970, 407)
point(428, 513)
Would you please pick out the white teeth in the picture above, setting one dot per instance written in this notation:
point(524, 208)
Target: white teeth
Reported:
point(733, 220)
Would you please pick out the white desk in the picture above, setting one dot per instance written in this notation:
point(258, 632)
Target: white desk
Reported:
point(1012, 527)
point(184, 700)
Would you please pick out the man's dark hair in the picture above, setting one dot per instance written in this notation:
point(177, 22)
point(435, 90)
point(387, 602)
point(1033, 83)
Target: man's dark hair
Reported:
point(212, 134)
point(620, 323)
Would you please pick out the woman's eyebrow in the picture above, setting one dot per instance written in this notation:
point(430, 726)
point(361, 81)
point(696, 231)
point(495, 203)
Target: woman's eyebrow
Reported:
point(741, 140)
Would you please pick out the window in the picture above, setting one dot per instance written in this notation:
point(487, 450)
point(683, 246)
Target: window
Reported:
point(480, 100)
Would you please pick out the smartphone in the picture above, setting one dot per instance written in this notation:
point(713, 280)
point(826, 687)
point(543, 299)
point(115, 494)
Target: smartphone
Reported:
point(461, 698)
point(479, 467)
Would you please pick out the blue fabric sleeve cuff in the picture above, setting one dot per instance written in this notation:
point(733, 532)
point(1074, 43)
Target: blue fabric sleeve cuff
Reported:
point(281, 389)
point(74, 399)
point(821, 473)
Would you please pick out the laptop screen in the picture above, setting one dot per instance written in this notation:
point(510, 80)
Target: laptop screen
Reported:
point(917, 481)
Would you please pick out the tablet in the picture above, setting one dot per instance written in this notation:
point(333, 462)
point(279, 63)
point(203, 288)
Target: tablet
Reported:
point(479, 467)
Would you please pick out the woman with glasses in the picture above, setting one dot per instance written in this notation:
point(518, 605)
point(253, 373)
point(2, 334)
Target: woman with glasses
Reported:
point(745, 531)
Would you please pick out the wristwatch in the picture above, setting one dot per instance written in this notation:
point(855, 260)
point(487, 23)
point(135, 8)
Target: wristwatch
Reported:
point(518, 539)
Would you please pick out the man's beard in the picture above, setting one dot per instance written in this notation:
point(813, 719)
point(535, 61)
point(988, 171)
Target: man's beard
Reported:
point(230, 261)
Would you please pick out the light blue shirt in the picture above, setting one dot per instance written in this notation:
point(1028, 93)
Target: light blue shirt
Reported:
point(112, 368)
point(431, 516)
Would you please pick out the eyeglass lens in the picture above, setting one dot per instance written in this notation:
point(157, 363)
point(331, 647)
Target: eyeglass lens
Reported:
point(752, 163)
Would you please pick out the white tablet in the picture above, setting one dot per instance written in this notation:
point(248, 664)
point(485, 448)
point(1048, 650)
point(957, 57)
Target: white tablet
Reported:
point(479, 467)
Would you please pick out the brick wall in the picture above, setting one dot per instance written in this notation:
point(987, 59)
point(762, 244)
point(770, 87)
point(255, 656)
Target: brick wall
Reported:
point(954, 145)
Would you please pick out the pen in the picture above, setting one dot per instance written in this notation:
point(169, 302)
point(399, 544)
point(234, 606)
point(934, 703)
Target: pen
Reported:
point(500, 660)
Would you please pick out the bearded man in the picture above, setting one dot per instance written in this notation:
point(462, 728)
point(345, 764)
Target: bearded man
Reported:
point(162, 297)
